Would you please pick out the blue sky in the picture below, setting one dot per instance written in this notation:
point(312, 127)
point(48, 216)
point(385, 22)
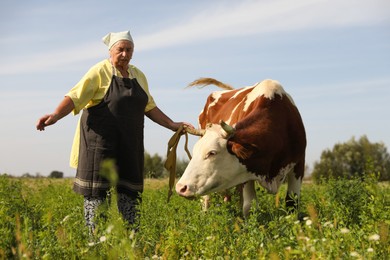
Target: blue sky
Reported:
point(333, 57)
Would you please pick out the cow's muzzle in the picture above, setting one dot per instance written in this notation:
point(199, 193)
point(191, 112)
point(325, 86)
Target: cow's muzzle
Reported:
point(184, 191)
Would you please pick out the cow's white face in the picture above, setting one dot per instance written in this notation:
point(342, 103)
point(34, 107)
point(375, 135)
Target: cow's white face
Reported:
point(212, 168)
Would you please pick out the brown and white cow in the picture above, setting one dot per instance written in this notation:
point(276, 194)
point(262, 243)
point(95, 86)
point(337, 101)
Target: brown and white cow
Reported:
point(250, 134)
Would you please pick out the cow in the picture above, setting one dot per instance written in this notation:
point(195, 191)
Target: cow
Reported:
point(249, 134)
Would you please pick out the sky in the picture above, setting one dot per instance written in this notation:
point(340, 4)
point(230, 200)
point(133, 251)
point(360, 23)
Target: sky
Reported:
point(332, 57)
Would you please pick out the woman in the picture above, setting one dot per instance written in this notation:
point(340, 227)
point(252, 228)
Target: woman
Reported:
point(114, 97)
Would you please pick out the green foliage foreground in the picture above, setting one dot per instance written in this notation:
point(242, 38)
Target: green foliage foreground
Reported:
point(43, 219)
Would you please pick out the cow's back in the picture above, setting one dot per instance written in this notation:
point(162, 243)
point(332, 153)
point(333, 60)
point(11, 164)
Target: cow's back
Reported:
point(224, 105)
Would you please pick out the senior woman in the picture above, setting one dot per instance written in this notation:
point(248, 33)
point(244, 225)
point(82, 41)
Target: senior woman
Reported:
point(113, 97)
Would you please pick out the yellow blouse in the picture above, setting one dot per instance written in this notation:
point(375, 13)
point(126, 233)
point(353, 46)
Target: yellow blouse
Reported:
point(90, 90)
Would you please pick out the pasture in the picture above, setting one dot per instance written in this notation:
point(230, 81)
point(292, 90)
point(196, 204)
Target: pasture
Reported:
point(43, 219)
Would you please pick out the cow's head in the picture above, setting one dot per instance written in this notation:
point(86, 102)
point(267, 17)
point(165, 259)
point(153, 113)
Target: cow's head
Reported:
point(212, 168)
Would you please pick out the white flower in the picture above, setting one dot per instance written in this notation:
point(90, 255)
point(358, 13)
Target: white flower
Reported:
point(109, 229)
point(288, 248)
point(304, 238)
point(328, 223)
point(344, 230)
point(370, 250)
point(91, 243)
point(103, 238)
point(374, 237)
point(132, 234)
point(309, 222)
point(355, 254)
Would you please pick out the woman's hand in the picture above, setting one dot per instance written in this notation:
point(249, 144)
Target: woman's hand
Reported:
point(46, 120)
point(63, 109)
point(176, 125)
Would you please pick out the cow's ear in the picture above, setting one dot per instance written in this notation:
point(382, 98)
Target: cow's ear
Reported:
point(241, 151)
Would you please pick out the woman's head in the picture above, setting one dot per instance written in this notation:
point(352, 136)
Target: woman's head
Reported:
point(121, 47)
point(121, 53)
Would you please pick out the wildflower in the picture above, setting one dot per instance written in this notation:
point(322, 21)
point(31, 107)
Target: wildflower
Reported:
point(370, 250)
point(304, 238)
point(344, 230)
point(91, 243)
point(328, 223)
point(132, 234)
point(103, 238)
point(288, 248)
point(109, 229)
point(355, 254)
point(308, 222)
point(374, 237)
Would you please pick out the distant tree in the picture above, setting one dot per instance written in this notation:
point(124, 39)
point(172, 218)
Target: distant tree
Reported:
point(56, 174)
point(27, 175)
point(153, 166)
point(355, 158)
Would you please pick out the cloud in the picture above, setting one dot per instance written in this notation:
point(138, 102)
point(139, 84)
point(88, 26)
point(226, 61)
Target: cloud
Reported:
point(222, 21)
point(52, 59)
point(256, 17)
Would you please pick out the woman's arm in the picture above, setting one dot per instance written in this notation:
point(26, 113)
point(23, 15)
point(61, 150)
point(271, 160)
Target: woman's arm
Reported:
point(64, 108)
point(156, 115)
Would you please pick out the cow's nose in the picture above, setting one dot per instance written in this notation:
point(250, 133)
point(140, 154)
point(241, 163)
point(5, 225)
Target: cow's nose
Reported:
point(182, 189)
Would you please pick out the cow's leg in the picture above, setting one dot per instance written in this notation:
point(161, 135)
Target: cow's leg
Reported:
point(248, 195)
point(294, 182)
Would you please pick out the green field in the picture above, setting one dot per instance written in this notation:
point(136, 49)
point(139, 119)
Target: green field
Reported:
point(43, 219)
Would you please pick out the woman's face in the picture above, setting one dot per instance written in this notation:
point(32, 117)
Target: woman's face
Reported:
point(121, 53)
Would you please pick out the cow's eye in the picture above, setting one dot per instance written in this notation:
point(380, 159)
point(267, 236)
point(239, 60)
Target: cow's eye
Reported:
point(211, 153)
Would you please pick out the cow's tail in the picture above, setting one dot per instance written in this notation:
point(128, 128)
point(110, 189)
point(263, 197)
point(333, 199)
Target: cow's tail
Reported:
point(202, 82)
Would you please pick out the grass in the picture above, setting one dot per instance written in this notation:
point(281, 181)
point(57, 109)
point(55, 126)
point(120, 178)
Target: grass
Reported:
point(43, 219)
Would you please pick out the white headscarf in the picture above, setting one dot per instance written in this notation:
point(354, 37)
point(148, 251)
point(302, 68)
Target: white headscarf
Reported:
point(112, 38)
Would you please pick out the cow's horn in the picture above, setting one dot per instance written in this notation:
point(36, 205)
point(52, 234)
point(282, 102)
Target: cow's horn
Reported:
point(193, 131)
point(228, 128)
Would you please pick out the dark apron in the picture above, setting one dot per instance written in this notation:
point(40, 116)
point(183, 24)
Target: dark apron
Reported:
point(113, 129)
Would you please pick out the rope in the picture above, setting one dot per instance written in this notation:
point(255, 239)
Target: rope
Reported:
point(170, 163)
